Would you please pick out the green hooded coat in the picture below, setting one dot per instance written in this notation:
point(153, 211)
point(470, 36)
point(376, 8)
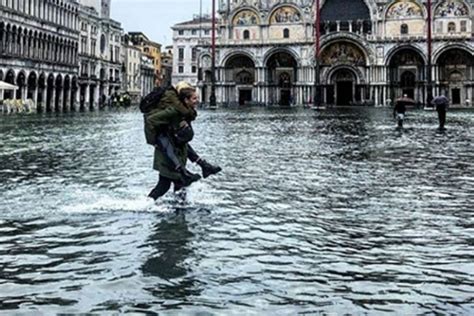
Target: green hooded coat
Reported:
point(170, 113)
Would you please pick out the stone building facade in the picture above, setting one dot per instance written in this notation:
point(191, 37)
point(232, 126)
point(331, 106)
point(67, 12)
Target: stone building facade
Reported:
point(100, 58)
point(371, 51)
point(38, 51)
point(190, 40)
point(148, 48)
point(60, 53)
point(132, 59)
point(148, 74)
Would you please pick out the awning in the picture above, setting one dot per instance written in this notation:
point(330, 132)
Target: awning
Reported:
point(6, 86)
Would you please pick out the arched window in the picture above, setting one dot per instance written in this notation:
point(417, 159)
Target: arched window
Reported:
point(286, 33)
point(246, 34)
point(451, 27)
point(404, 29)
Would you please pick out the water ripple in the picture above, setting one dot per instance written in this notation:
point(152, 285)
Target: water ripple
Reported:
point(329, 212)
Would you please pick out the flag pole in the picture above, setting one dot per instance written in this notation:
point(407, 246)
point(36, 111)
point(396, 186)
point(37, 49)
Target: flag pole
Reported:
point(212, 99)
point(429, 92)
point(317, 48)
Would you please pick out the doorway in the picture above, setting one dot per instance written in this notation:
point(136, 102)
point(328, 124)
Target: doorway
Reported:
point(456, 95)
point(245, 95)
point(344, 92)
point(285, 97)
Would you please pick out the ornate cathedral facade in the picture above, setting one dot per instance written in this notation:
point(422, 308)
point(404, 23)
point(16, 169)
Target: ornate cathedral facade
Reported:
point(371, 52)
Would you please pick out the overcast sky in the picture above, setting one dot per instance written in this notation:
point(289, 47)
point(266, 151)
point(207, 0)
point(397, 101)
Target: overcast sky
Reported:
point(155, 17)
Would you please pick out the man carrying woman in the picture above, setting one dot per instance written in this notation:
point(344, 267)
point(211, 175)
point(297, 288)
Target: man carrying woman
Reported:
point(170, 122)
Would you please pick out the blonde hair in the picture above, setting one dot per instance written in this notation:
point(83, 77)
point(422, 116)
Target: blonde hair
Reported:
point(182, 85)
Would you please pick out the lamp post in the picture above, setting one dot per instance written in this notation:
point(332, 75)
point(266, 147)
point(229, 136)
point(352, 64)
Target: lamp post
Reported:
point(212, 99)
point(429, 92)
point(317, 35)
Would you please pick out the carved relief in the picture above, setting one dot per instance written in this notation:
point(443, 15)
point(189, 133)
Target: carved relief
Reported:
point(246, 17)
point(404, 9)
point(406, 57)
point(343, 52)
point(451, 8)
point(285, 15)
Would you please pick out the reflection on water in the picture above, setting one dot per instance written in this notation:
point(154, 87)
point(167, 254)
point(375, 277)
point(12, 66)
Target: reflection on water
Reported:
point(333, 212)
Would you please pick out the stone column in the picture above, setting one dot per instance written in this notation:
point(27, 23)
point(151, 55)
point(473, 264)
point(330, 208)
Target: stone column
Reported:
point(35, 97)
point(60, 97)
point(77, 99)
point(87, 97)
point(96, 97)
point(53, 99)
point(376, 99)
point(67, 99)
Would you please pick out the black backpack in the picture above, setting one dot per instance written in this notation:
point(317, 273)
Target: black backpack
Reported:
point(152, 99)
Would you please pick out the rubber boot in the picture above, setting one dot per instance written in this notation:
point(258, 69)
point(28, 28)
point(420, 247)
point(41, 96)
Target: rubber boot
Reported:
point(187, 177)
point(207, 168)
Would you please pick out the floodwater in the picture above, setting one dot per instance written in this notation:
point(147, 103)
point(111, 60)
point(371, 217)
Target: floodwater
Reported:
point(335, 212)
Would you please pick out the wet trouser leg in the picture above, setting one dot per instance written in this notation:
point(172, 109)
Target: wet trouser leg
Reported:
point(400, 118)
point(161, 188)
point(192, 155)
point(442, 118)
point(167, 148)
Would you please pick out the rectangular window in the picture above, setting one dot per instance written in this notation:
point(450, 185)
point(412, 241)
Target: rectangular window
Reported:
point(181, 54)
point(180, 32)
point(193, 32)
point(463, 26)
point(180, 69)
point(193, 69)
point(193, 54)
point(84, 44)
point(93, 47)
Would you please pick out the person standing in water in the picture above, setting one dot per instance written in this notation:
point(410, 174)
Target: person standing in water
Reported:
point(175, 132)
point(441, 102)
point(399, 111)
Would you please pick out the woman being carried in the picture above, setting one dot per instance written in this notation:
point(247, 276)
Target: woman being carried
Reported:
point(171, 121)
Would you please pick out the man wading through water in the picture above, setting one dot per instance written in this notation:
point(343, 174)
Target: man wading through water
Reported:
point(168, 128)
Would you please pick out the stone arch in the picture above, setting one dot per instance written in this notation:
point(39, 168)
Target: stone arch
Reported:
point(229, 56)
point(21, 83)
point(404, 9)
point(463, 47)
point(392, 52)
point(345, 84)
point(10, 77)
point(2, 36)
point(328, 75)
point(281, 74)
point(455, 67)
point(32, 84)
point(49, 92)
point(245, 16)
point(240, 69)
point(284, 14)
point(344, 51)
point(404, 64)
point(41, 92)
point(275, 50)
point(450, 8)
